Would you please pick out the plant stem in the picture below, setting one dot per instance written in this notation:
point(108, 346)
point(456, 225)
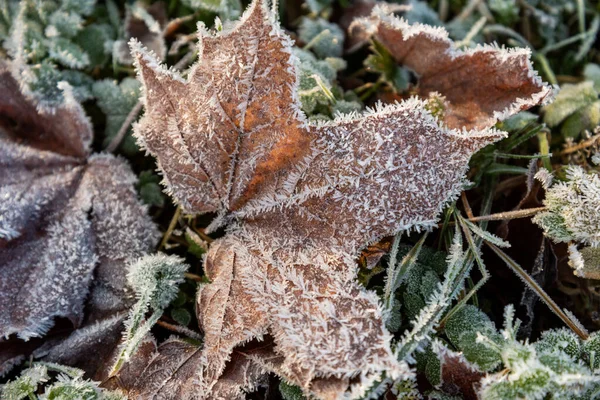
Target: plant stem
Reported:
point(170, 229)
point(466, 205)
point(116, 141)
point(590, 142)
point(193, 277)
point(508, 215)
point(545, 149)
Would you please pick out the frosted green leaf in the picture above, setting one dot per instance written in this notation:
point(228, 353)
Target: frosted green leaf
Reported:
point(592, 73)
point(84, 7)
point(116, 101)
point(316, 80)
point(210, 5)
point(518, 121)
point(570, 99)
point(316, 6)
point(347, 107)
point(63, 23)
point(422, 13)
point(590, 258)
point(507, 11)
point(428, 362)
point(549, 369)
point(149, 189)
point(324, 38)
point(68, 53)
point(290, 392)
point(559, 340)
point(43, 81)
point(25, 385)
point(96, 40)
point(587, 117)
point(382, 62)
point(181, 316)
point(229, 9)
point(155, 280)
point(572, 213)
point(462, 329)
point(590, 351)
point(67, 385)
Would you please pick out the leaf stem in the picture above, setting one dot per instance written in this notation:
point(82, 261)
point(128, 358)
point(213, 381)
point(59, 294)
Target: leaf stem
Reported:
point(170, 229)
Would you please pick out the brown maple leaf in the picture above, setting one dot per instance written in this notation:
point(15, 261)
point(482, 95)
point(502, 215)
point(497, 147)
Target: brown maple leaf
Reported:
point(69, 223)
point(480, 86)
point(299, 200)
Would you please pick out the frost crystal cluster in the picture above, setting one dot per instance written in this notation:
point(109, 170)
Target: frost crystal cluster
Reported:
point(300, 200)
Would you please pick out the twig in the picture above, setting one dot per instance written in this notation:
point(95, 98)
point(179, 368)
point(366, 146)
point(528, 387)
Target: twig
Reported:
point(179, 329)
point(508, 215)
point(116, 141)
point(580, 146)
point(193, 277)
point(468, 10)
point(170, 229)
point(466, 205)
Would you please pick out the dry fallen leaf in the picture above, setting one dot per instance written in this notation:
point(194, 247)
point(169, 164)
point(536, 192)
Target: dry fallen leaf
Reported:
point(481, 86)
point(300, 201)
point(66, 217)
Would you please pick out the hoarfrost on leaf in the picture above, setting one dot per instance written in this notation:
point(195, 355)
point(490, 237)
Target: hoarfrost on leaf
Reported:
point(300, 201)
point(155, 280)
point(481, 86)
point(66, 216)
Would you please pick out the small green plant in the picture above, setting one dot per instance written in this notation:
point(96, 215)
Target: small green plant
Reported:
point(47, 381)
point(155, 280)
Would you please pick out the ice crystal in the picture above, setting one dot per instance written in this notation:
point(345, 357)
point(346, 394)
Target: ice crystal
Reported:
point(65, 215)
point(300, 201)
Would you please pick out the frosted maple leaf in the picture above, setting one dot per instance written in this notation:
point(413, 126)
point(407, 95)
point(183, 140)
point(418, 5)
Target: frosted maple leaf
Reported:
point(300, 201)
point(69, 222)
